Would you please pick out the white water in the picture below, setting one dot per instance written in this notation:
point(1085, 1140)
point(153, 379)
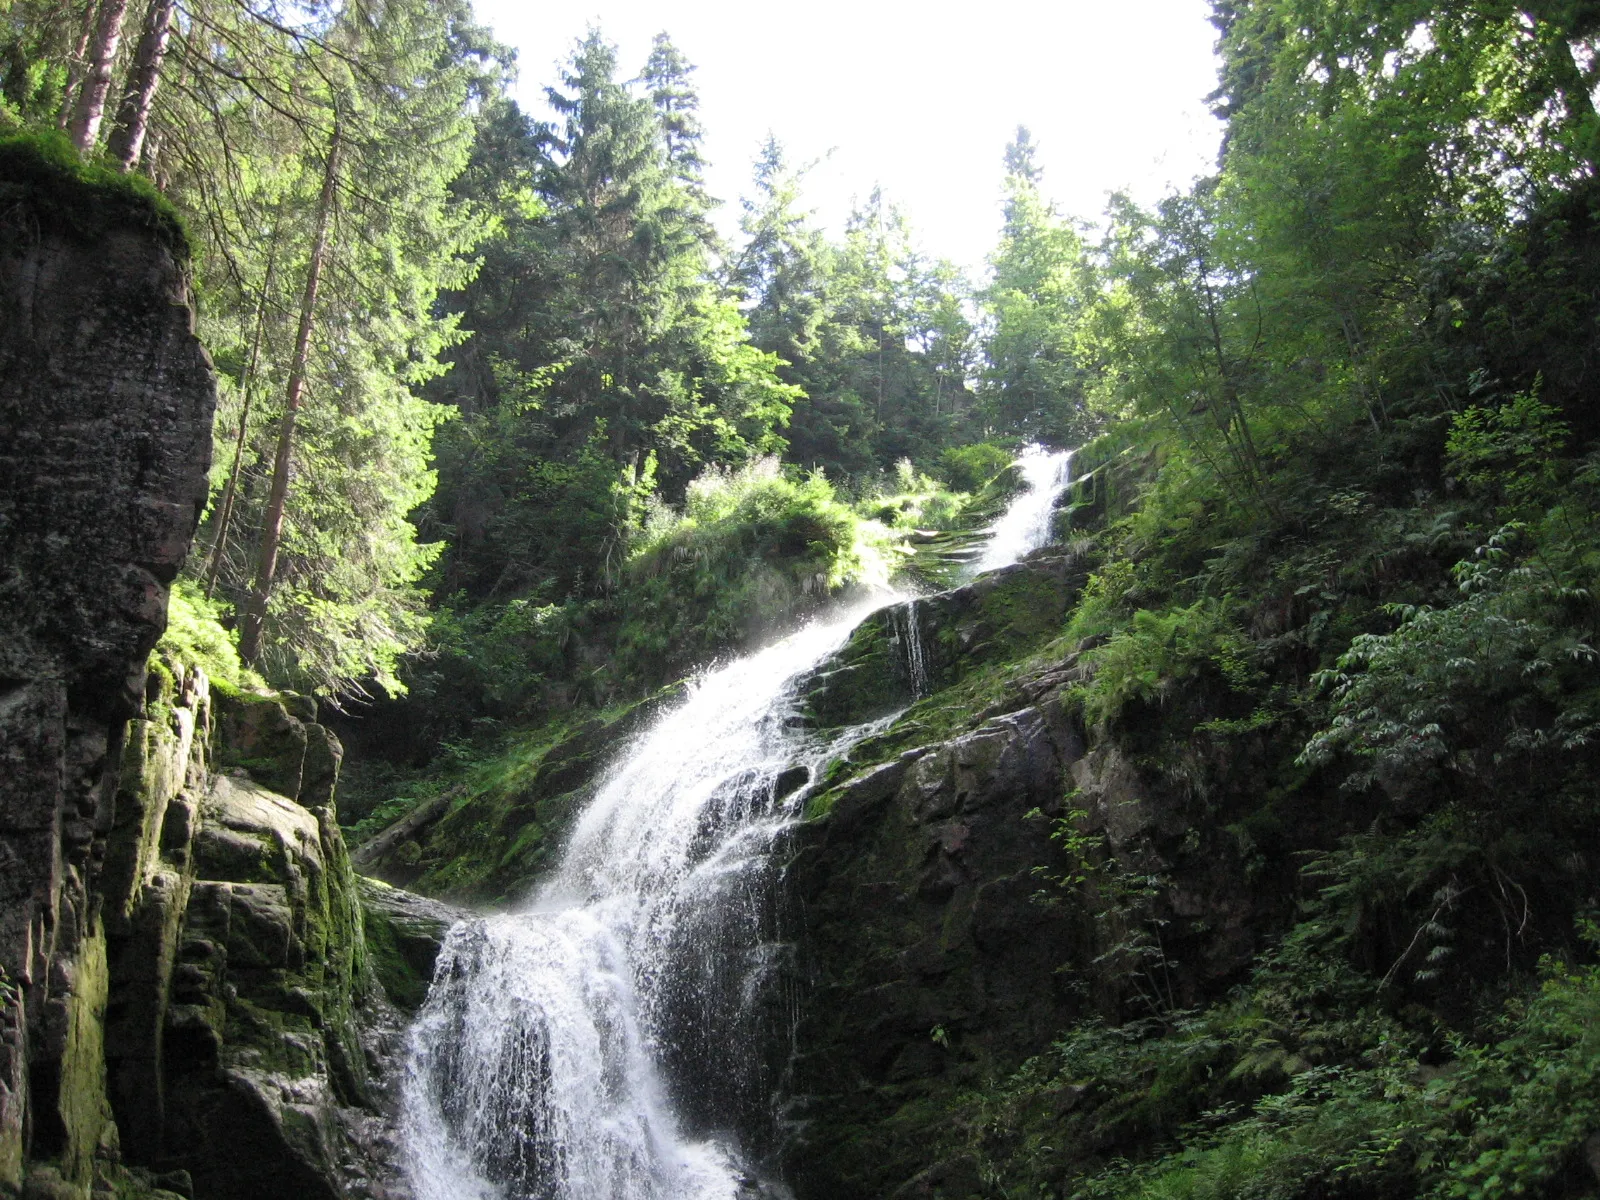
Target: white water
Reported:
point(608, 1041)
point(1025, 525)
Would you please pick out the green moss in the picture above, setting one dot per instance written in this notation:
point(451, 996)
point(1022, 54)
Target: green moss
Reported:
point(83, 199)
point(401, 981)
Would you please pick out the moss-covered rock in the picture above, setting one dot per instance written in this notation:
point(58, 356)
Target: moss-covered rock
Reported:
point(260, 736)
point(484, 840)
point(44, 173)
point(403, 934)
point(274, 738)
point(941, 947)
point(271, 973)
point(911, 650)
point(930, 965)
point(106, 402)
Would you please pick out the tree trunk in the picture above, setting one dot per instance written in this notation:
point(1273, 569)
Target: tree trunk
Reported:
point(91, 106)
point(133, 115)
point(76, 66)
point(225, 517)
point(272, 531)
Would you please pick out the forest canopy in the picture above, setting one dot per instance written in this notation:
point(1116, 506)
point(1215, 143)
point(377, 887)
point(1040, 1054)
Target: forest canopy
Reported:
point(463, 350)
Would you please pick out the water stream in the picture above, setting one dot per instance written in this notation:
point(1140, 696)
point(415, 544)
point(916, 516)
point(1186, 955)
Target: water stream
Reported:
point(613, 1039)
point(1025, 525)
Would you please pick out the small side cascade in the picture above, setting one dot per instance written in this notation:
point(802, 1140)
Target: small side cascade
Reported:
point(908, 634)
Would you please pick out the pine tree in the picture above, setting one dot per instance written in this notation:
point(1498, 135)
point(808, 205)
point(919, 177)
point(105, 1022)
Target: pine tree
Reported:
point(1031, 383)
point(677, 105)
point(782, 269)
point(144, 76)
point(89, 102)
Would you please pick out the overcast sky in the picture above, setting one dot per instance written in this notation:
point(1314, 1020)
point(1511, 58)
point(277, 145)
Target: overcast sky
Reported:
point(918, 99)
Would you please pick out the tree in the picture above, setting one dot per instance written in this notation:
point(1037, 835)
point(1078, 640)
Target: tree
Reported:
point(606, 358)
point(1031, 379)
point(345, 225)
point(666, 78)
point(781, 271)
point(89, 102)
point(272, 526)
point(144, 76)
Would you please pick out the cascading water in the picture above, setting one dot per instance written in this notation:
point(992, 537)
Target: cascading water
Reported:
point(1025, 525)
point(610, 1041)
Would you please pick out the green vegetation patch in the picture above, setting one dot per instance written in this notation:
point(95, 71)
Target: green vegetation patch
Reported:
point(195, 634)
point(83, 199)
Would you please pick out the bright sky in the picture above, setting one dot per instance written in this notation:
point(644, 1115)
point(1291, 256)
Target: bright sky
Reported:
point(919, 98)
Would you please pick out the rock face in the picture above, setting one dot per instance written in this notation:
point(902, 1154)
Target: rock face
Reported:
point(186, 1000)
point(246, 1037)
point(106, 401)
point(939, 947)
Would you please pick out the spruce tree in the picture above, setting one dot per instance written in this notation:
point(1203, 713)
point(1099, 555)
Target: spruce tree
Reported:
point(1031, 383)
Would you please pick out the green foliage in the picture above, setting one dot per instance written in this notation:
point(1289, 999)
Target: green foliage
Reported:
point(1536, 1091)
point(1032, 385)
point(907, 499)
point(1160, 652)
point(1512, 451)
point(752, 549)
point(1489, 686)
point(968, 468)
point(196, 635)
point(1301, 1086)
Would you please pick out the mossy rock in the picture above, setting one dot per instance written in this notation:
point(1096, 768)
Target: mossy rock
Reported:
point(404, 933)
point(1000, 616)
point(44, 173)
point(258, 733)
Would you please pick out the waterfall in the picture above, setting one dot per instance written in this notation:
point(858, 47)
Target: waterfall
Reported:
point(610, 1040)
point(908, 633)
point(1025, 525)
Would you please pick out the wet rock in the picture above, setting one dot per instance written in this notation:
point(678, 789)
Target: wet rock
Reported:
point(925, 953)
point(998, 616)
point(281, 1022)
point(404, 932)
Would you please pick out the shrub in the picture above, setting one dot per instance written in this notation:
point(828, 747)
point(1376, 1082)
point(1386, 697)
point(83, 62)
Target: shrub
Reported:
point(752, 549)
point(968, 468)
point(196, 635)
point(1158, 652)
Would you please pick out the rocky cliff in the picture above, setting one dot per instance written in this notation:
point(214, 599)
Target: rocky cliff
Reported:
point(947, 890)
point(187, 1000)
point(106, 401)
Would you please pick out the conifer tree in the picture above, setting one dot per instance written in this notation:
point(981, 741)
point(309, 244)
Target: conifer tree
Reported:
point(782, 268)
point(1031, 383)
point(667, 79)
point(144, 76)
point(89, 102)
